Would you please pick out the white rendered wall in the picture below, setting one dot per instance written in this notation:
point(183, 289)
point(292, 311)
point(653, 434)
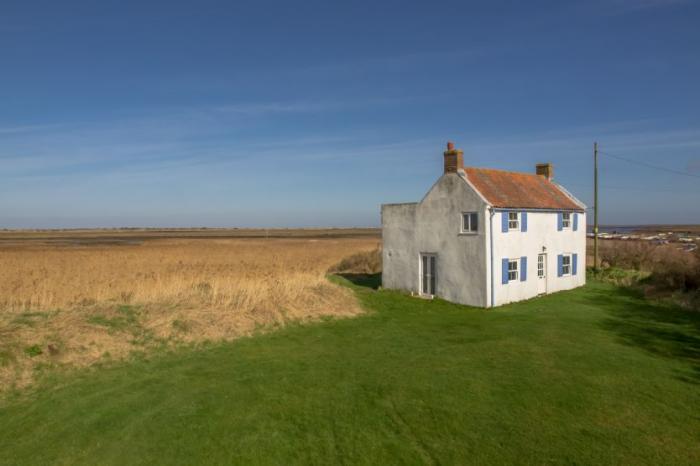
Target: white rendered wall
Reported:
point(398, 246)
point(541, 236)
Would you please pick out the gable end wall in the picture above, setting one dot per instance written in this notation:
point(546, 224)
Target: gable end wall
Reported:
point(433, 226)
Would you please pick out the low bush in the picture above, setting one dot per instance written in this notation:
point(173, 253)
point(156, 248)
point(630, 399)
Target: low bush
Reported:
point(635, 255)
point(677, 269)
point(660, 270)
point(366, 262)
point(678, 273)
point(619, 276)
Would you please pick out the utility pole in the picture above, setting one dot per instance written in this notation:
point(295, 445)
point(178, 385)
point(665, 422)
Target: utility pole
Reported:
point(595, 202)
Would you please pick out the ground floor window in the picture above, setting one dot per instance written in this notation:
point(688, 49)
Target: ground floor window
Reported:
point(540, 266)
point(512, 270)
point(566, 264)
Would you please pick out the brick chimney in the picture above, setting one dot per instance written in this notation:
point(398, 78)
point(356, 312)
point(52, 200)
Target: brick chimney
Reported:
point(454, 158)
point(546, 170)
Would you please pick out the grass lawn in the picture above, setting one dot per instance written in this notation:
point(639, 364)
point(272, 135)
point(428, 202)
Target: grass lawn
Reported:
point(592, 376)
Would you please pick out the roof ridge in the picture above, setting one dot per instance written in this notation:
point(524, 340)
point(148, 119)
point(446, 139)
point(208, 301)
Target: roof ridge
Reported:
point(501, 170)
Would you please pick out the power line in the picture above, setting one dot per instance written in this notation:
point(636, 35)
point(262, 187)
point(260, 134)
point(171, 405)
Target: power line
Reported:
point(649, 165)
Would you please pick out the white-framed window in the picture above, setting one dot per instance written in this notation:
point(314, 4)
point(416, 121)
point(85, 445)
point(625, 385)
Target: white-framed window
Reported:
point(566, 220)
point(566, 264)
point(540, 265)
point(512, 270)
point(513, 220)
point(470, 222)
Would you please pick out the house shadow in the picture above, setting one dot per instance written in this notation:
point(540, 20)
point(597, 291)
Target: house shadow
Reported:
point(372, 281)
point(662, 330)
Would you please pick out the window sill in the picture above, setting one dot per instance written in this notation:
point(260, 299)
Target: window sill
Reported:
point(468, 233)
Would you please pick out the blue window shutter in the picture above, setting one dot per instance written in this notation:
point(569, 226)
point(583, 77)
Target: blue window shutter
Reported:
point(574, 263)
point(560, 265)
point(523, 221)
point(504, 221)
point(560, 221)
point(575, 221)
point(504, 275)
point(523, 269)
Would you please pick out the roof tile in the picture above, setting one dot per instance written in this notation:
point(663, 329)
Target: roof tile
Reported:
point(519, 190)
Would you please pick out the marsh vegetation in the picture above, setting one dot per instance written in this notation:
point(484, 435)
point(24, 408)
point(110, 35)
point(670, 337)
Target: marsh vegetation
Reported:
point(76, 303)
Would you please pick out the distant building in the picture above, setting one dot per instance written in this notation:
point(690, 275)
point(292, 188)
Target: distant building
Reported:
point(486, 237)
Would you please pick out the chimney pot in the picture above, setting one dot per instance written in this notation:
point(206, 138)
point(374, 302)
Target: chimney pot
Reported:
point(545, 169)
point(454, 159)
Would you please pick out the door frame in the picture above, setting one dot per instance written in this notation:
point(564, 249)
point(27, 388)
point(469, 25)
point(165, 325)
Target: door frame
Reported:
point(420, 272)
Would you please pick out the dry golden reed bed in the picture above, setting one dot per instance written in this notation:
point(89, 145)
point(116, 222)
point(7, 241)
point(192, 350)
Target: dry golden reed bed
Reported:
point(75, 304)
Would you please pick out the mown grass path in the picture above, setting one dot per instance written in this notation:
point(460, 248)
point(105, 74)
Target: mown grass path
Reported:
point(593, 376)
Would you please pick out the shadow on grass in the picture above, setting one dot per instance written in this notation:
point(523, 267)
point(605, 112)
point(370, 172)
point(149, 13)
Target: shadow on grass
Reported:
point(372, 281)
point(662, 330)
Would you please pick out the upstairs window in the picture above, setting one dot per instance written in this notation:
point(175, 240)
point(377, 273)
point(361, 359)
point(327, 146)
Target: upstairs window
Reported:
point(513, 221)
point(513, 270)
point(566, 264)
point(566, 220)
point(470, 222)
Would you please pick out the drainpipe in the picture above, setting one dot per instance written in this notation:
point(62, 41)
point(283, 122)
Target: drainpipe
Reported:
point(491, 252)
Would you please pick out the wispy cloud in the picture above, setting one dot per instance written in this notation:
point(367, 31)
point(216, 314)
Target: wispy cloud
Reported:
point(265, 108)
point(201, 136)
point(12, 28)
point(393, 63)
point(27, 128)
point(624, 136)
point(317, 106)
point(622, 7)
point(646, 4)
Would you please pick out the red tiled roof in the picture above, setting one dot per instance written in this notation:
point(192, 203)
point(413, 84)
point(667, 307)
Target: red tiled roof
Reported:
point(518, 190)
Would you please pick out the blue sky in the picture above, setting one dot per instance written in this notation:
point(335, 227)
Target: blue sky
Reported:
point(314, 113)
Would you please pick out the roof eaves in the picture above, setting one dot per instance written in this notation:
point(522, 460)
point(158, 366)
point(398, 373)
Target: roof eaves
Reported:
point(537, 209)
point(569, 195)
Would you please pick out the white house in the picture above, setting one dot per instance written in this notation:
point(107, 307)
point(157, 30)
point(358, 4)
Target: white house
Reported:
point(486, 237)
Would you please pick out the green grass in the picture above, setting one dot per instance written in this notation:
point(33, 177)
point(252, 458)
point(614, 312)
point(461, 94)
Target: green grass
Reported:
point(126, 318)
point(34, 350)
point(592, 376)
